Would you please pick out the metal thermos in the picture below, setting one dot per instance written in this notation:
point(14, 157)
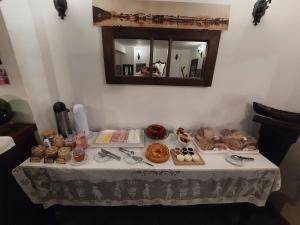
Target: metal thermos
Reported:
point(62, 119)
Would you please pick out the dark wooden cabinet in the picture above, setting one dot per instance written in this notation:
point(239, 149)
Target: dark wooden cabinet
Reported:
point(15, 207)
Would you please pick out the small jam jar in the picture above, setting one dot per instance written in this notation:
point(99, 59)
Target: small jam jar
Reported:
point(78, 153)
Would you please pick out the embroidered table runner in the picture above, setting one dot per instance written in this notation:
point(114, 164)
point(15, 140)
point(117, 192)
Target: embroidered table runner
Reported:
point(116, 183)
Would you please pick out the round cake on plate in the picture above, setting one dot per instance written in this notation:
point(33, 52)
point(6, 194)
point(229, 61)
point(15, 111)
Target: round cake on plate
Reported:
point(156, 132)
point(157, 153)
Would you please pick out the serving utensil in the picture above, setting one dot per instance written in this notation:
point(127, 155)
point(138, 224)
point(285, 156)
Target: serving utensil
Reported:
point(131, 155)
point(237, 160)
point(237, 157)
point(109, 154)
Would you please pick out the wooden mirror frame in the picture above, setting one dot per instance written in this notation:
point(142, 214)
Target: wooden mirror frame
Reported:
point(109, 34)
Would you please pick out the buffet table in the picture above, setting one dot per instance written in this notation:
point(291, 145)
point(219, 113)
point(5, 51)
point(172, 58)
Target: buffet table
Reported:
point(116, 183)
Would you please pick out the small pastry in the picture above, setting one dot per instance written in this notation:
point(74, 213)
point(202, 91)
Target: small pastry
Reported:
point(251, 147)
point(225, 132)
point(217, 138)
point(34, 159)
point(237, 135)
point(177, 151)
point(180, 157)
point(70, 142)
point(221, 146)
point(206, 144)
point(184, 140)
point(64, 153)
point(191, 151)
point(60, 161)
point(59, 141)
point(199, 137)
point(208, 133)
point(250, 141)
point(179, 130)
point(48, 134)
point(51, 152)
point(188, 158)
point(38, 151)
point(233, 144)
point(196, 158)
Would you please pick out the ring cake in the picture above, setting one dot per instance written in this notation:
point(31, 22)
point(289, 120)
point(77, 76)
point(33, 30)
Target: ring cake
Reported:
point(157, 153)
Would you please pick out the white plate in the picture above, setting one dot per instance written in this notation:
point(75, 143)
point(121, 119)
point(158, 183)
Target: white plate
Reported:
point(75, 163)
point(129, 160)
point(230, 160)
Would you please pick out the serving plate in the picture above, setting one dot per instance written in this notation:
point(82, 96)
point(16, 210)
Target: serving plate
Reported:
point(141, 144)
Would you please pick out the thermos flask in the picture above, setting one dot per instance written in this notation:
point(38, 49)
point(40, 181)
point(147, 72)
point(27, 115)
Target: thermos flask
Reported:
point(62, 119)
point(80, 119)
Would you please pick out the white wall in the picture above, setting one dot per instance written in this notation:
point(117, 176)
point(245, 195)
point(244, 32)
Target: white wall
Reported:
point(250, 66)
point(15, 92)
point(63, 60)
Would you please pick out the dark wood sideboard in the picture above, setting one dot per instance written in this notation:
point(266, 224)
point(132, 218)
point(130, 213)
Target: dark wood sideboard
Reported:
point(15, 207)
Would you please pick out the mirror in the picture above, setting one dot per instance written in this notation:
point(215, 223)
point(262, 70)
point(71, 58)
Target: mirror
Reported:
point(187, 59)
point(132, 57)
point(159, 56)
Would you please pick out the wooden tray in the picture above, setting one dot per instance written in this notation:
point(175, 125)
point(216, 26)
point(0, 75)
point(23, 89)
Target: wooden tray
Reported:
point(185, 163)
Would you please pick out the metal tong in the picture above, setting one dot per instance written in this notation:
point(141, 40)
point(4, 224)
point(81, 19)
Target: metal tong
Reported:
point(131, 155)
point(237, 157)
point(109, 154)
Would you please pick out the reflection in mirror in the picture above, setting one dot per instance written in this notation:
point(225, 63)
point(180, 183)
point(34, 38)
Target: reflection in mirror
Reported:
point(132, 57)
point(187, 59)
point(160, 57)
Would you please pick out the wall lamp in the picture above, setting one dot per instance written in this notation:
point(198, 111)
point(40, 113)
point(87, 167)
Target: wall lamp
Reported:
point(259, 10)
point(61, 7)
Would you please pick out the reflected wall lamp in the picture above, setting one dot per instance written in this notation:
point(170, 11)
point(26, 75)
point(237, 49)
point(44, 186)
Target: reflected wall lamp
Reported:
point(138, 56)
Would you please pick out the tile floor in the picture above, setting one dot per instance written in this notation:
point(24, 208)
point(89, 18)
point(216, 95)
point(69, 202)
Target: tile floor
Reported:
point(160, 215)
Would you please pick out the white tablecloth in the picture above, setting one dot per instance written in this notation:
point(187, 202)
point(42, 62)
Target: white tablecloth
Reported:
point(116, 183)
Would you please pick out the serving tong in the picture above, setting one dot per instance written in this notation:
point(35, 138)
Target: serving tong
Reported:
point(104, 153)
point(131, 155)
point(242, 158)
point(237, 160)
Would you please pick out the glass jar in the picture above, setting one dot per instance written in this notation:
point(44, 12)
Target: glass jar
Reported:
point(78, 153)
